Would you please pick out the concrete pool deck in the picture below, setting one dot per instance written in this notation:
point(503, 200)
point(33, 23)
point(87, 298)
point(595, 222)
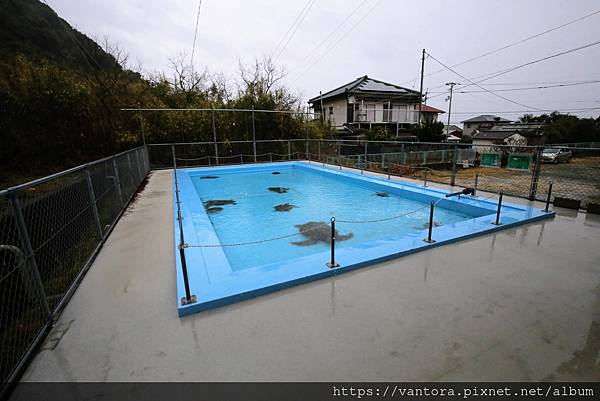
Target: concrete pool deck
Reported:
point(521, 304)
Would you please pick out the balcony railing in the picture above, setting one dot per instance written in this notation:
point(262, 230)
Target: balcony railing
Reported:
point(385, 116)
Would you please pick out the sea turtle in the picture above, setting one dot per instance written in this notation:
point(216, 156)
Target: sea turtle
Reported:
point(284, 207)
point(275, 173)
point(208, 177)
point(278, 190)
point(318, 231)
point(214, 209)
point(218, 202)
point(435, 224)
point(382, 194)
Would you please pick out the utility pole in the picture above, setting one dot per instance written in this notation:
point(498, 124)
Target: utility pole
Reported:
point(421, 87)
point(322, 111)
point(451, 84)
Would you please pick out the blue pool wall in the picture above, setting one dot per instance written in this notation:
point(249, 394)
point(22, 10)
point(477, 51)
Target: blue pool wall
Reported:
point(215, 284)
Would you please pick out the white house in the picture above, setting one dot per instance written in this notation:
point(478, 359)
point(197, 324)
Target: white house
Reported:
point(370, 103)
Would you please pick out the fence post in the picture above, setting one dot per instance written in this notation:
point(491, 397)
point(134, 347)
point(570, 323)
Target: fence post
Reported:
point(215, 138)
point(24, 234)
point(289, 151)
point(339, 152)
point(498, 212)
point(425, 179)
point(454, 157)
point(139, 165)
point(475, 186)
point(535, 174)
point(332, 263)
point(188, 299)
point(253, 135)
point(118, 182)
point(88, 178)
point(319, 149)
point(548, 198)
point(428, 239)
point(307, 153)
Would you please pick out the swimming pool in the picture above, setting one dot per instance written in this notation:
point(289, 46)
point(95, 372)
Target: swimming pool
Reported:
point(254, 229)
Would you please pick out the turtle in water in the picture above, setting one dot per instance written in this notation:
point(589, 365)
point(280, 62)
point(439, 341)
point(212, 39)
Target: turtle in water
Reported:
point(435, 224)
point(210, 205)
point(382, 194)
point(318, 231)
point(278, 190)
point(275, 173)
point(208, 177)
point(284, 207)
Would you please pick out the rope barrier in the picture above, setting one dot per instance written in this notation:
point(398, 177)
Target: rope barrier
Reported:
point(196, 158)
point(257, 241)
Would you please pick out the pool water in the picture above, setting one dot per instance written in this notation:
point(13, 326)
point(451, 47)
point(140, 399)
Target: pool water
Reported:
point(316, 197)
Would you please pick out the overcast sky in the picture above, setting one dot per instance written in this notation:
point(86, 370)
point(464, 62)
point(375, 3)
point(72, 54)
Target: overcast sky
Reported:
point(379, 38)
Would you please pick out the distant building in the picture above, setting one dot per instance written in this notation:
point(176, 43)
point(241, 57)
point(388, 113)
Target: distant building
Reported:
point(370, 103)
point(454, 133)
point(518, 134)
point(482, 122)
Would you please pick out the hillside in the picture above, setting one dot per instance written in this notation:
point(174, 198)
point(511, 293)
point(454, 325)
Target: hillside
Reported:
point(33, 29)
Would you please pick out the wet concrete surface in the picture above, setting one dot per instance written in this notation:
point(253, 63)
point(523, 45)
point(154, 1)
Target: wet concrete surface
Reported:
point(520, 304)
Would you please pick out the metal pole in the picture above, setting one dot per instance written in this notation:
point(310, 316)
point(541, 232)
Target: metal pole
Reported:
point(24, 234)
point(332, 263)
point(548, 198)
point(142, 125)
point(88, 178)
point(366, 154)
point(322, 111)
point(270, 157)
point(428, 239)
point(289, 151)
point(253, 135)
point(421, 87)
point(425, 180)
point(118, 182)
point(241, 159)
point(319, 149)
point(339, 152)
point(188, 299)
point(475, 186)
point(451, 84)
point(215, 138)
point(498, 212)
point(454, 157)
point(535, 174)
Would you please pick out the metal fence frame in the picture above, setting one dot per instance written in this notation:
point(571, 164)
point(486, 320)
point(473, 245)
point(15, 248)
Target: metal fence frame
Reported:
point(100, 191)
point(51, 230)
point(441, 162)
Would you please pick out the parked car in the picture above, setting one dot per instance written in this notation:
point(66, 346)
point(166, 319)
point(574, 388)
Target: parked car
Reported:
point(556, 155)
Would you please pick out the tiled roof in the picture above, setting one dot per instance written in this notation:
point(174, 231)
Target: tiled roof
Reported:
point(486, 118)
point(366, 85)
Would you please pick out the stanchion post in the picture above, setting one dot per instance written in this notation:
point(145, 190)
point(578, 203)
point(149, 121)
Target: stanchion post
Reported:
point(332, 263)
point(547, 209)
point(428, 239)
point(497, 222)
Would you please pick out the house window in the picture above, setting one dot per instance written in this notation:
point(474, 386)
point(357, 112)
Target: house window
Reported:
point(387, 112)
point(370, 109)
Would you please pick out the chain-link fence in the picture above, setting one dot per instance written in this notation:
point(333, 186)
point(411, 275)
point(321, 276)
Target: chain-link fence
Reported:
point(50, 231)
point(524, 171)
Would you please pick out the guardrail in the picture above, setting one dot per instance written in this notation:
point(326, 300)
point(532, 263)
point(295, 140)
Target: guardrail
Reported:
point(51, 229)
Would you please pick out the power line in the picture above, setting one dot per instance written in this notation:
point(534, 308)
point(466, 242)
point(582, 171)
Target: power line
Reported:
point(328, 36)
point(525, 111)
point(195, 34)
point(514, 43)
point(481, 87)
point(506, 71)
point(528, 88)
point(294, 27)
point(338, 41)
